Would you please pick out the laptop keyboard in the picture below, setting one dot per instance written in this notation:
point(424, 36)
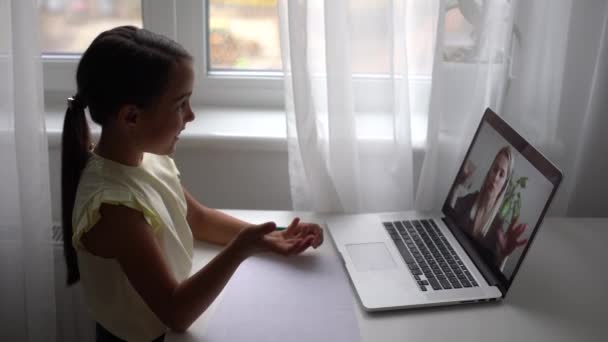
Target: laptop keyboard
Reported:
point(429, 256)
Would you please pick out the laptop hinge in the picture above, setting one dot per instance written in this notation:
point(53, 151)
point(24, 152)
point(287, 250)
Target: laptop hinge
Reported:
point(474, 255)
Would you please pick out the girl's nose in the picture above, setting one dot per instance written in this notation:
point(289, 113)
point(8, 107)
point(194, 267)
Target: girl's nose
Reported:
point(190, 116)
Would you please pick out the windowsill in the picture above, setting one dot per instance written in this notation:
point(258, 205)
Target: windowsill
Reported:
point(251, 129)
point(213, 127)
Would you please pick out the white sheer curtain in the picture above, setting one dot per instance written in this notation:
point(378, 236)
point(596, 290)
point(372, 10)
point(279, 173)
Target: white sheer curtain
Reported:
point(27, 289)
point(471, 71)
point(356, 138)
point(357, 75)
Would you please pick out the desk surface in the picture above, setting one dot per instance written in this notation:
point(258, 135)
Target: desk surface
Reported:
point(559, 294)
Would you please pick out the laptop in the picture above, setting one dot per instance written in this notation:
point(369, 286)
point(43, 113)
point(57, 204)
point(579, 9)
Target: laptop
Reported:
point(472, 250)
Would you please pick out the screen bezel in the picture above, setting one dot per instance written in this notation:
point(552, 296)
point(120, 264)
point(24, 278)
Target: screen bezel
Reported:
point(542, 164)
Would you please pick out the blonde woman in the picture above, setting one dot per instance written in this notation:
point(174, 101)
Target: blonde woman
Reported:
point(477, 210)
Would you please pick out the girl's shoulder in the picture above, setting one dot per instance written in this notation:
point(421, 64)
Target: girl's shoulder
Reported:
point(105, 177)
point(102, 178)
point(99, 168)
point(163, 163)
point(102, 183)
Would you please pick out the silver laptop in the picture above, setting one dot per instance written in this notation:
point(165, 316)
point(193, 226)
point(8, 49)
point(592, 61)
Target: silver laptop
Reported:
point(471, 251)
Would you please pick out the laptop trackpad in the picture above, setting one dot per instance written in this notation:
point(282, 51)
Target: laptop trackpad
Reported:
point(370, 256)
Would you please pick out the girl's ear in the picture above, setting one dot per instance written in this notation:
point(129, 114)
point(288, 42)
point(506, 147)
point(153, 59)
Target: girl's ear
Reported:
point(129, 115)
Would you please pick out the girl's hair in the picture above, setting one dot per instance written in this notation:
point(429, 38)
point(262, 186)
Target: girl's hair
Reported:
point(124, 65)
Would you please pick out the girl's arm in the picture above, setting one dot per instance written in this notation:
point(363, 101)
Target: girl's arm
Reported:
point(211, 225)
point(123, 234)
point(216, 227)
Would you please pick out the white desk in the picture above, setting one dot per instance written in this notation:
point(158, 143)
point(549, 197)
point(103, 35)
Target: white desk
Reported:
point(559, 294)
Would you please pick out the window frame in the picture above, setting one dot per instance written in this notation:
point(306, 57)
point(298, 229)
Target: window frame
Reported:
point(184, 21)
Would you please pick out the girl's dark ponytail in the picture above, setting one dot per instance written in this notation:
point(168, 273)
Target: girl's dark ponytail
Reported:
point(75, 145)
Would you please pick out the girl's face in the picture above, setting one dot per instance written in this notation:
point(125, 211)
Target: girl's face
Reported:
point(162, 123)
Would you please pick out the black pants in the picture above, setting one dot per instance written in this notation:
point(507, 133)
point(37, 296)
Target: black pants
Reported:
point(102, 335)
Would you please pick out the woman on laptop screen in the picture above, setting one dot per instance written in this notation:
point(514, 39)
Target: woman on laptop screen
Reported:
point(477, 211)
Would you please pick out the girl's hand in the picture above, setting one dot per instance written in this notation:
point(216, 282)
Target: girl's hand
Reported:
point(250, 240)
point(265, 238)
point(295, 239)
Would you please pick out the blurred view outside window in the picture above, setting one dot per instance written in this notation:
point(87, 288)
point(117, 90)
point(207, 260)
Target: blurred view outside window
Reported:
point(372, 33)
point(244, 35)
point(460, 33)
point(463, 24)
point(69, 26)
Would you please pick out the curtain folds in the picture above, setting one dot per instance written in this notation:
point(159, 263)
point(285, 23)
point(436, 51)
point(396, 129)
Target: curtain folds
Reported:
point(348, 87)
point(27, 291)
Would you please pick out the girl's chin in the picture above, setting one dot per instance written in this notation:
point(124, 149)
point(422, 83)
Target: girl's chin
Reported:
point(165, 149)
point(174, 145)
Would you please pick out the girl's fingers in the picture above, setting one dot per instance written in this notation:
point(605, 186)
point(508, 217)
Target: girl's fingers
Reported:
point(265, 228)
point(303, 245)
point(317, 232)
point(291, 228)
point(318, 240)
point(291, 247)
point(294, 223)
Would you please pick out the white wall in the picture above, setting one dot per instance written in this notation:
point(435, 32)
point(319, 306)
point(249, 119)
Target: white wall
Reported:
point(587, 28)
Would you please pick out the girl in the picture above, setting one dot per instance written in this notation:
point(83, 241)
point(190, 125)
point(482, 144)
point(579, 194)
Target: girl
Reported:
point(128, 222)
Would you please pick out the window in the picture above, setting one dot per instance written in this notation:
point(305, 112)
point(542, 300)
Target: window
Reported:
point(68, 27)
point(235, 44)
point(246, 72)
point(243, 35)
point(246, 69)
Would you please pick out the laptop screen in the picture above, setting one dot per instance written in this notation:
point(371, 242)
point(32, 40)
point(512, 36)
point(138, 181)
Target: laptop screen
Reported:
point(500, 195)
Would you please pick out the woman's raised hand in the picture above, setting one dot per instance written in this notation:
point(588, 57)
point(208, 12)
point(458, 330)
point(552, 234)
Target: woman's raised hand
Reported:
point(508, 241)
point(467, 170)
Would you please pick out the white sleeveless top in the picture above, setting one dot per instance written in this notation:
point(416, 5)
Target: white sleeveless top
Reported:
point(154, 189)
